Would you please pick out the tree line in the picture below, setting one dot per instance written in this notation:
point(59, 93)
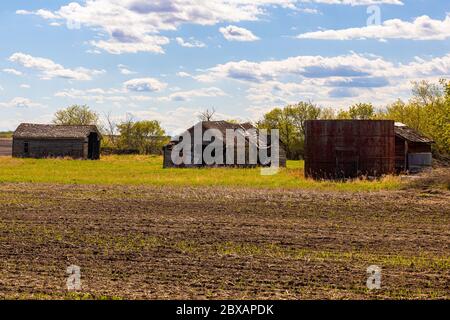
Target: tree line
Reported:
point(127, 136)
point(427, 111)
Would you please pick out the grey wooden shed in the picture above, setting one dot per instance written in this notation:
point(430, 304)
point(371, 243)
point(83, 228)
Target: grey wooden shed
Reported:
point(51, 141)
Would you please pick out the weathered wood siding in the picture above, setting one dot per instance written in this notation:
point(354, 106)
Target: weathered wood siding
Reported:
point(168, 163)
point(47, 148)
point(417, 147)
point(5, 147)
point(400, 154)
point(404, 149)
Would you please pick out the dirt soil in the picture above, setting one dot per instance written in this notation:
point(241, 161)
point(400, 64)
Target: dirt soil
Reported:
point(223, 243)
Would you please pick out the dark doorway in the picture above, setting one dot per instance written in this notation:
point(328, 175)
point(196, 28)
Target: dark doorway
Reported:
point(94, 147)
point(26, 149)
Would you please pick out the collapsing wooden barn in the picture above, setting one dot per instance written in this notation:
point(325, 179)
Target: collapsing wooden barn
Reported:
point(50, 141)
point(245, 129)
point(412, 149)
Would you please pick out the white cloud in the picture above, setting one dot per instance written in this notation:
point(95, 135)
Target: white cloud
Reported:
point(12, 71)
point(124, 70)
point(132, 26)
point(45, 14)
point(93, 51)
point(355, 2)
point(101, 96)
point(145, 85)
point(50, 69)
point(191, 43)
point(189, 95)
point(422, 28)
point(25, 86)
point(177, 120)
point(309, 10)
point(233, 33)
point(351, 65)
point(144, 44)
point(141, 98)
point(333, 81)
point(183, 74)
point(20, 102)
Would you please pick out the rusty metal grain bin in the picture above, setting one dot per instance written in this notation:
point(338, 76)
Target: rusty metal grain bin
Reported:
point(337, 149)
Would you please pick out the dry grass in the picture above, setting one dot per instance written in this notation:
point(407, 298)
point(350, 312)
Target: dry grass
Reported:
point(438, 178)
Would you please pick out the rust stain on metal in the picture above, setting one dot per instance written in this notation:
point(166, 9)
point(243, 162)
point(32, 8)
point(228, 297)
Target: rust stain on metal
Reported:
point(349, 148)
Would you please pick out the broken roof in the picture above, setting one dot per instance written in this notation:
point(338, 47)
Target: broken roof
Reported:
point(410, 134)
point(222, 126)
point(47, 131)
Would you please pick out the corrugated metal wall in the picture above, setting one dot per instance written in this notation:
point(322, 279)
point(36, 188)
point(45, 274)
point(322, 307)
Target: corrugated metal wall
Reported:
point(349, 148)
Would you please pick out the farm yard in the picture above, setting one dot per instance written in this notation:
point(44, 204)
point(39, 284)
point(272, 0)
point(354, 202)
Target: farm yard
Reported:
point(138, 231)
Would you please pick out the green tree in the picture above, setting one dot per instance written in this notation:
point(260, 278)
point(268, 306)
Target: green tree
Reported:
point(290, 121)
point(327, 114)
point(361, 111)
point(145, 136)
point(397, 111)
point(428, 111)
point(437, 112)
point(343, 115)
point(301, 112)
point(76, 115)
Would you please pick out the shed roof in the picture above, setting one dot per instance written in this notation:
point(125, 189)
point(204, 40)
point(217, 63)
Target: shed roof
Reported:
point(410, 134)
point(47, 131)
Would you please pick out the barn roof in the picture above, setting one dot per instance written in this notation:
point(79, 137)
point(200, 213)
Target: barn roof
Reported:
point(222, 126)
point(47, 131)
point(410, 134)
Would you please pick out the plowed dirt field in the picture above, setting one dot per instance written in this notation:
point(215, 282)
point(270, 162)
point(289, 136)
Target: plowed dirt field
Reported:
point(135, 242)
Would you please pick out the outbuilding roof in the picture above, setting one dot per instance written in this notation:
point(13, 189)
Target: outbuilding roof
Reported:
point(47, 131)
point(410, 134)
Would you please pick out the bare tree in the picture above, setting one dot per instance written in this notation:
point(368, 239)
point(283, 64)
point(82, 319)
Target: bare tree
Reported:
point(207, 115)
point(111, 128)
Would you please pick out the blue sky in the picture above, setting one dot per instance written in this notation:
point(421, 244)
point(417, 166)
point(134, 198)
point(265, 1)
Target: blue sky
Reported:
point(168, 60)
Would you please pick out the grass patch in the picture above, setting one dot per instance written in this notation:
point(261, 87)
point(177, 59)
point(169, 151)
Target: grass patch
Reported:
point(6, 134)
point(147, 170)
point(420, 262)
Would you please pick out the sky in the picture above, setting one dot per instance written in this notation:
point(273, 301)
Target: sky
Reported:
point(168, 60)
